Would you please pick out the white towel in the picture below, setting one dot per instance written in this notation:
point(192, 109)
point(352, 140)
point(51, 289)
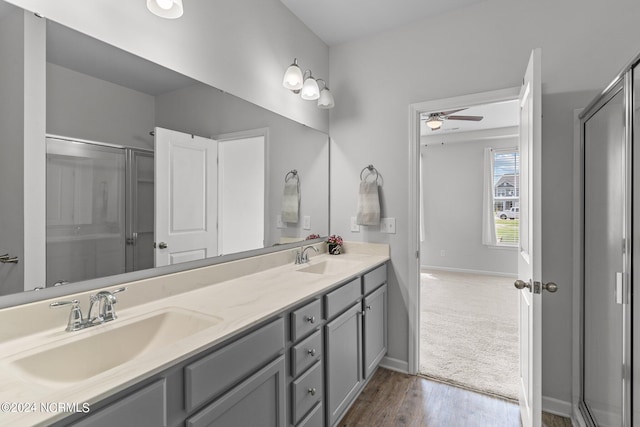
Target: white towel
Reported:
point(368, 203)
point(290, 201)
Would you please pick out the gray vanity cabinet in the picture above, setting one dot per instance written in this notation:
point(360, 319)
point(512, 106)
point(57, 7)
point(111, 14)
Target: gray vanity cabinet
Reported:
point(259, 400)
point(344, 361)
point(375, 329)
point(144, 408)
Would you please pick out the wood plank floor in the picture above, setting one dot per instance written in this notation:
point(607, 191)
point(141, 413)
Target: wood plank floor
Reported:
point(395, 399)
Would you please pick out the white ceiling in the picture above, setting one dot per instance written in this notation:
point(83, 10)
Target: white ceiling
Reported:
point(339, 21)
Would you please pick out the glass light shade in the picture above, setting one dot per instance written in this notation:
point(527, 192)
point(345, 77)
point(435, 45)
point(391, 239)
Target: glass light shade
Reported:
point(170, 9)
point(434, 122)
point(293, 77)
point(310, 89)
point(326, 99)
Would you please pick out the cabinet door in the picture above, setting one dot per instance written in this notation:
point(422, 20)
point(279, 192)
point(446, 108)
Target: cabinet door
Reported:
point(375, 329)
point(344, 361)
point(259, 400)
point(145, 407)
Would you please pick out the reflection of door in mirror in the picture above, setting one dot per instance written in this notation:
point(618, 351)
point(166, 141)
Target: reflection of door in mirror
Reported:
point(87, 225)
point(241, 189)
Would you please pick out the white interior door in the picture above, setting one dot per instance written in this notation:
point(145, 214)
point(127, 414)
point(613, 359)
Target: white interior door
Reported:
point(529, 260)
point(241, 189)
point(185, 197)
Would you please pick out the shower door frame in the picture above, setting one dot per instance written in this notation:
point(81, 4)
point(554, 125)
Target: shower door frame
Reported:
point(623, 82)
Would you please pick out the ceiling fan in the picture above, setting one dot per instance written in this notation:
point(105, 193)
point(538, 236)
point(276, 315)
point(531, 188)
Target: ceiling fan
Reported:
point(434, 120)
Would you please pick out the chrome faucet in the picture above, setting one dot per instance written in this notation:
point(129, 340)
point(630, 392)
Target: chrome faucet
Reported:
point(105, 301)
point(302, 257)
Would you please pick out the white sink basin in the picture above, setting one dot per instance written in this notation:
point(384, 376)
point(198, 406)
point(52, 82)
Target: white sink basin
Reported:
point(98, 351)
point(333, 266)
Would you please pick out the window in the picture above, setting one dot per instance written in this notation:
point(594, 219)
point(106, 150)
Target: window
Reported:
point(506, 196)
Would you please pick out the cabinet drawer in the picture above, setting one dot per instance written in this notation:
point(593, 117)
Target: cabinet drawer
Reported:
point(338, 300)
point(305, 353)
point(374, 278)
point(145, 407)
point(314, 419)
point(214, 374)
point(305, 319)
point(306, 391)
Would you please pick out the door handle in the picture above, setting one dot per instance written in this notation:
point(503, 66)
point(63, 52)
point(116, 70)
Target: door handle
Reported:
point(537, 286)
point(163, 245)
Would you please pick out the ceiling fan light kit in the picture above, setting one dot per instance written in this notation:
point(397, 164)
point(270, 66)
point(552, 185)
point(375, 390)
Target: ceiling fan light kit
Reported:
point(435, 120)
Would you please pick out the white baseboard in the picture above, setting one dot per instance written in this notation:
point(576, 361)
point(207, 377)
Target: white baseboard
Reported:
point(395, 364)
point(557, 407)
point(464, 270)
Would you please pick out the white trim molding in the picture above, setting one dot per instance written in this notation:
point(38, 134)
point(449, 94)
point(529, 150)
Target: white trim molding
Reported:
point(557, 407)
point(413, 287)
point(464, 270)
point(395, 364)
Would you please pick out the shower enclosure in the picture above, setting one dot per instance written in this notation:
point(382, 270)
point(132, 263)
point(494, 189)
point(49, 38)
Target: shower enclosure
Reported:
point(100, 210)
point(609, 209)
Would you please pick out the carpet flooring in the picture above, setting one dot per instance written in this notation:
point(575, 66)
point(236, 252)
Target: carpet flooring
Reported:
point(469, 331)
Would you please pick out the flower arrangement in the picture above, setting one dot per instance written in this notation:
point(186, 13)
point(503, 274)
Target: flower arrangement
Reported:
point(334, 244)
point(312, 236)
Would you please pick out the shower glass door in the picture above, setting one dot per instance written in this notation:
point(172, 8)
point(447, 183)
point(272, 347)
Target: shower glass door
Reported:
point(604, 262)
point(85, 211)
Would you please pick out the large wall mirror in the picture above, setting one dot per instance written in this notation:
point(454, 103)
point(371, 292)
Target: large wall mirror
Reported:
point(147, 168)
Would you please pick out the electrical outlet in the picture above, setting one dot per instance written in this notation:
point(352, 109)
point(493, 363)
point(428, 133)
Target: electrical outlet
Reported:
point(443, 252)
point(306, 222)
point(279, 223)
point(355, 227)
point(388, 225)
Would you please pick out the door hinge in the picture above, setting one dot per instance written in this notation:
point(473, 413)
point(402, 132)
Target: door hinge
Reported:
point(418, 254)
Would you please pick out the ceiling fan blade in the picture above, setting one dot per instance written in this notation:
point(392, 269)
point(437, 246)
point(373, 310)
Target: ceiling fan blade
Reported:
point(471, 118)
point(446, 113)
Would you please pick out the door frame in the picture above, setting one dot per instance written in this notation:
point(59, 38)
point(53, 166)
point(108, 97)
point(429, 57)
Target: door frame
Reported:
point(413, 288)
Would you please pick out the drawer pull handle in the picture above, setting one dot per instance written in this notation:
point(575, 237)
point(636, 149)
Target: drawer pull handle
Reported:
point(312, 352)
point(369, 307)
point(310, 319)
point(312, 391)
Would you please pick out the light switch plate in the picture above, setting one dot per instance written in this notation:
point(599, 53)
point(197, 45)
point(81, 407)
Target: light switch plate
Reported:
point(355, 227)
point(306, 222)
point(388, 225)
point(279, 223)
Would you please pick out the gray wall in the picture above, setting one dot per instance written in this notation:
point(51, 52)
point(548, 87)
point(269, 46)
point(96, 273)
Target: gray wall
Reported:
point(487, 48)
point(84, 107)
point(207, 112)
point(240, 46)
point(452, 185)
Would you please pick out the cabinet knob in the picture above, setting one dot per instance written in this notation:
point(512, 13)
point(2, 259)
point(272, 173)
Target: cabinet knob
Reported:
point(369, 307)
point(312, 391)
point(311, 352)
point(311, 319)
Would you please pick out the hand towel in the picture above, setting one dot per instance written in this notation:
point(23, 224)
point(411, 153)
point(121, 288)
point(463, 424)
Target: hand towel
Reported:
point(290, 201)
point(368, 203)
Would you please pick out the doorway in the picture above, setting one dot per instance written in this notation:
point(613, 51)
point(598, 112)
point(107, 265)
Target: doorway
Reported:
point(468, 236)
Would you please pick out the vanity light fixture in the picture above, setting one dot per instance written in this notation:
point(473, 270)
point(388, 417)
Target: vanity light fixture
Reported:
point(293, 77)
point(325, 100)
point(307, 86)
point(170, 9)
point(310, 90)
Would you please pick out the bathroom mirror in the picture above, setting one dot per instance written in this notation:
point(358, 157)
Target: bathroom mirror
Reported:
point(104, 110)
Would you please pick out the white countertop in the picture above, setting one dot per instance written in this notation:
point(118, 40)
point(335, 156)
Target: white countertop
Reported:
point(240, 303)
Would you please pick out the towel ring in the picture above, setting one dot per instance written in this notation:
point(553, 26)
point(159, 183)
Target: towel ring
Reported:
point(371, 170)
point(293, 173)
